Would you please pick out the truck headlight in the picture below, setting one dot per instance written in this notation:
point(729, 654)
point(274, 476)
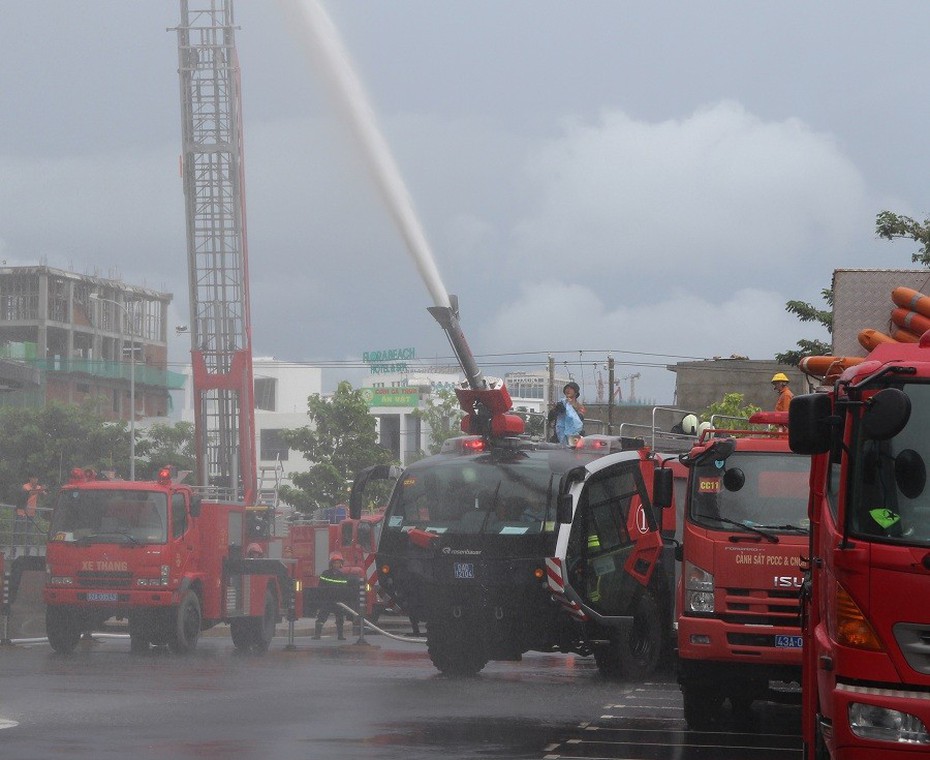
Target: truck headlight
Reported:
point(886, 725)
point(161, 580)
point(699, 590)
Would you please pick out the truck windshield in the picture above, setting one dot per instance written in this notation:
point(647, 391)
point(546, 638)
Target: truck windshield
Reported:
point(110, 516)
point(889, 478)
point(767, 490)
point(476, 496)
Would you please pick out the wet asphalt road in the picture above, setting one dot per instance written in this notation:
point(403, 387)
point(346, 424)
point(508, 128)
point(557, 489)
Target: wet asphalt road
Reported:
point(327, 699)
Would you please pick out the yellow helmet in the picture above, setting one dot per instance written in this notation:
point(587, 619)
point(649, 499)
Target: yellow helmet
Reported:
point(780, 377)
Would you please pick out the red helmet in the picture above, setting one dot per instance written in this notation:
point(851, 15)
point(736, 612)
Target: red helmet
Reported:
point(254, 551)
point(336, 557)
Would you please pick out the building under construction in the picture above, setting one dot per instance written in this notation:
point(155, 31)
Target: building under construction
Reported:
point(86, 338)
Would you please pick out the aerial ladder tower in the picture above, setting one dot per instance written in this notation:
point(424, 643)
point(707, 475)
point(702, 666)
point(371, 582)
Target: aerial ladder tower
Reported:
point(217, 259)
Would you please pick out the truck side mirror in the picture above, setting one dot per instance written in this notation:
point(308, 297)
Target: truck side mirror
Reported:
point(886, 414)
point(375, 472)
point(662, 488)
point(809, 423)
point(196, 503)
point(563, 511)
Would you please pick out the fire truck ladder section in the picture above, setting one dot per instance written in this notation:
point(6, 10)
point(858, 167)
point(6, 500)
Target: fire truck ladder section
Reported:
point(212, 171)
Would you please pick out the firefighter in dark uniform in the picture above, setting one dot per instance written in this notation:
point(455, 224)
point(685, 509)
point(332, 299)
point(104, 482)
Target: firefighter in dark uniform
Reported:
point(334, 585)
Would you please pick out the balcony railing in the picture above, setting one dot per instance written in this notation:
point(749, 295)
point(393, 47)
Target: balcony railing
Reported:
point(145, 375)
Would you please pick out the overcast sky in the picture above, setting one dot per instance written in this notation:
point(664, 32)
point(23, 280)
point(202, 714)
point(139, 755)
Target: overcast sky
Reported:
point(651, 179)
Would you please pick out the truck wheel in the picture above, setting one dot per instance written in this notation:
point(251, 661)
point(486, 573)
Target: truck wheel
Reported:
point(241, 631)
point(454, 655)
point(186, 625)
point(702, 706)
point(633, 653)
point(140, 631)
point(62, 628)
point(265, 626)
point(642, 648)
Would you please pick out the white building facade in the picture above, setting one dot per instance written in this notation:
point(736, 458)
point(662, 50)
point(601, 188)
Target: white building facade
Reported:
point(281, 393)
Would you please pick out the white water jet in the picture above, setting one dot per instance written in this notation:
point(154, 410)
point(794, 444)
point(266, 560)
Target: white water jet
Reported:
point(322, 41)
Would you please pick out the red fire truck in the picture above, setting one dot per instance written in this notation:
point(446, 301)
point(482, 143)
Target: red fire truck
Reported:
point(358, 543)
point(866, 661)
point(155, 553)
point(745, 529)
point(173, 562)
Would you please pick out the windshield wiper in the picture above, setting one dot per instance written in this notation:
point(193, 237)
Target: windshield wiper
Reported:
point(787, 526)
point(98, 536)
point(746, 526)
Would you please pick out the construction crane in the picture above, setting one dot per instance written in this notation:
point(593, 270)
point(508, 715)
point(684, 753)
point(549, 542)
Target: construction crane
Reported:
point(217, 257)
point(632, 378)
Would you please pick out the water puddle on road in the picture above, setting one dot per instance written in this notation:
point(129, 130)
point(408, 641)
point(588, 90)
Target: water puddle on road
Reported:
point(472, 737)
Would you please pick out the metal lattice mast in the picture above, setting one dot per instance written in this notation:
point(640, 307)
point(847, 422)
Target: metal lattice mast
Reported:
point(212, 170)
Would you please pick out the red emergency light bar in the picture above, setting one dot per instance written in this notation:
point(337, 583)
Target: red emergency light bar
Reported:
point(463, 445)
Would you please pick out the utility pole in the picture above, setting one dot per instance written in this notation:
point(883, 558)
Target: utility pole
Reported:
point(610, 395)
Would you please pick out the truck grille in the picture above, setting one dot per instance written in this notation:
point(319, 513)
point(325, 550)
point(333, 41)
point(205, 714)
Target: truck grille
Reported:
point(774, 607)
point(113, 579)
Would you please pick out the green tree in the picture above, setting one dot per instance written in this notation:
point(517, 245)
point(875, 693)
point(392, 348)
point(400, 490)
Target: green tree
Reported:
point(891, 226)
point(163, 446)
point(443, 415)
point(730, 406)
point(339, 442)
point(809, 313)
point(51, 441)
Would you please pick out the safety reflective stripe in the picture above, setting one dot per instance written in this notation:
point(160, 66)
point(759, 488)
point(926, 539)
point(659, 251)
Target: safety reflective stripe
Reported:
point(593, 541)
point(557, 587)
point(371, 569)
point(324, 579)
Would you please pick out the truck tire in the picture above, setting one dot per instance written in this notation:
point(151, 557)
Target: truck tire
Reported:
point(62, 628)
point(702, 705)
point(264, 627)
point(250, 634)
point(454, 655)
point(186, 624)
point(241, 631)
point(140, 631)
point(633, 653)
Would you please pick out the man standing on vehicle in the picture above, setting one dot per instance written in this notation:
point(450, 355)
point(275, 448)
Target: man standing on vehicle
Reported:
point(780, 386)
point(334, 586)
point(568, 415)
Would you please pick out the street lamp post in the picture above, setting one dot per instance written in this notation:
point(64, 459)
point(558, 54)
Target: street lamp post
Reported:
point(132, 383)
